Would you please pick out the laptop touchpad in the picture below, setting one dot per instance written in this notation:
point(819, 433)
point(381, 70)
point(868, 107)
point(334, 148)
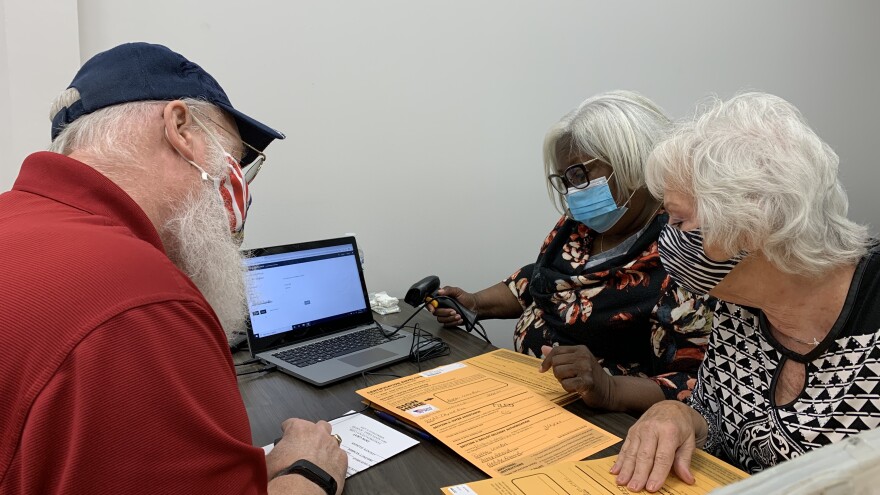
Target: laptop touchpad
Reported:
point(367, 357)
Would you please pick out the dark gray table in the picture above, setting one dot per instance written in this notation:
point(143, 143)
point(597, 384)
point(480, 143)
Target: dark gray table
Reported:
point(423, 469)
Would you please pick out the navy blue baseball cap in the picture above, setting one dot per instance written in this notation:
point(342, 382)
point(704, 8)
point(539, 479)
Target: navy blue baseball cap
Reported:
point(143, 71)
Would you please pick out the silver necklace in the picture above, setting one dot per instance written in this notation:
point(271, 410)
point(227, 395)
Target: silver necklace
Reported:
point(813, 343)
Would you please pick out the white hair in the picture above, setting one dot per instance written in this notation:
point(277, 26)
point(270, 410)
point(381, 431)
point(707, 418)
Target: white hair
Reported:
point(619, 127)
point(196, 236)
point(761, 179)
point(198, 241)
point(117, 133)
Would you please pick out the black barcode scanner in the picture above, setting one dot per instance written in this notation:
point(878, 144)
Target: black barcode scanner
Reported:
point(425, 292)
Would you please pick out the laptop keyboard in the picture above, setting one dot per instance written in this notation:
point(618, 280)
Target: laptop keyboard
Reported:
point(308, 355)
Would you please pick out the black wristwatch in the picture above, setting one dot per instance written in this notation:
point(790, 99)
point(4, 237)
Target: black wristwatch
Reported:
point(312, 473)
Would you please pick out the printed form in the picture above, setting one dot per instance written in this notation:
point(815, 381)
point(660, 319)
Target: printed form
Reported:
point(515, 367)
point(577, 478)
point(366, 441)
point(500, 427)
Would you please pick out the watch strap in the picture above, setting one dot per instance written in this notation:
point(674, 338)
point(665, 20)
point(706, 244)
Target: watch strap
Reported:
point(313, 473)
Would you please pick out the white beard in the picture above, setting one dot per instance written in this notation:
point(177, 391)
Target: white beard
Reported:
point(197, 239)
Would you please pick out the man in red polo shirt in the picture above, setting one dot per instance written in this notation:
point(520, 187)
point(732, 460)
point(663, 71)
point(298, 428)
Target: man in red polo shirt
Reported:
point(120, 273)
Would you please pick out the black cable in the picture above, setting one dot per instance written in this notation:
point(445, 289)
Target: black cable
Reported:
point(483, 332)
point(249, 361)
point(388, 335)
point(261, 370)
point(238, 341)
point(427, 348)
point(413, 355)
point(468, 325)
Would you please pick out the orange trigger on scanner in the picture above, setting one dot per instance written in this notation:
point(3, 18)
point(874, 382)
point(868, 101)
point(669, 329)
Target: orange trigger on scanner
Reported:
point(432, 302)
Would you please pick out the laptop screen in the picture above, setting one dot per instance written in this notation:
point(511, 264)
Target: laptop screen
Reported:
point(302, 291)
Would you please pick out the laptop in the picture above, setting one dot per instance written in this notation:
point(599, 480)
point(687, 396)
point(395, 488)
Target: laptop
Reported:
point(309, 312)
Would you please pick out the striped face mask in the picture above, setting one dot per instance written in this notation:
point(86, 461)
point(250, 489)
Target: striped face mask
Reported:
point(233, 188)
point(682, 255)
point(233, 191)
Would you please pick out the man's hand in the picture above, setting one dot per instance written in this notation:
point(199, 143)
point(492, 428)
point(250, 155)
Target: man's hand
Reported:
point(663, 438)
point(313, 442)
point(450, 317)
point(579, 371)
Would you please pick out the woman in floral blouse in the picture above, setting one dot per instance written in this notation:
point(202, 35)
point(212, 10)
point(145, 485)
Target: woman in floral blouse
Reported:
point(596, 304)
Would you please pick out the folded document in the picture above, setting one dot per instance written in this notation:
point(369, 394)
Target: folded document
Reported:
point(498, 425)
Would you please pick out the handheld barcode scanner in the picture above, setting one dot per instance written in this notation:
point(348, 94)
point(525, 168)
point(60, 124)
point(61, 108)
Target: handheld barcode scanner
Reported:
point(425, 292)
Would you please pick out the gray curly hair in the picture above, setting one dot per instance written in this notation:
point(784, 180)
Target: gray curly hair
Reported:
point(761, 179)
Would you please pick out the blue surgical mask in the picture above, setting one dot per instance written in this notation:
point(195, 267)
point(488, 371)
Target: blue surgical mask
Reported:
point(594, 206)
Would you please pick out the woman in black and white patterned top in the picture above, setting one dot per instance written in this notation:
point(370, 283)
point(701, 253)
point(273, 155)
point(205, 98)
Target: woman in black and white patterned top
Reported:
point(758, 219)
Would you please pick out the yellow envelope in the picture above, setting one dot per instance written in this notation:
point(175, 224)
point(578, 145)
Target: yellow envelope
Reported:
point(588, 477)
point(498, 426)
point(515, 367)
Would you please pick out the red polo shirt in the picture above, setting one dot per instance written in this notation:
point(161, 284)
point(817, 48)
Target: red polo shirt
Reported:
point(115, 375)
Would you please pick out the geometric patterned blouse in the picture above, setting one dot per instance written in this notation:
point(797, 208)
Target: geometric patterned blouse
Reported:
point(625, 309)
point(735, 390)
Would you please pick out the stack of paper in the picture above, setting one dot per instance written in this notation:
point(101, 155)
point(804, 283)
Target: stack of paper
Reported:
point(594, 477)
point(485, 412)
point(498, 412)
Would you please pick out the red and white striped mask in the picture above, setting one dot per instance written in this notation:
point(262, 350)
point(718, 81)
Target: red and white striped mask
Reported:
point(233, 187)
point(233, 191)
point(236, 195)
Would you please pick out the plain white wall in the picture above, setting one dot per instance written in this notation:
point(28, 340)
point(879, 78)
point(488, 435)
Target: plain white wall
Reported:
point(418, 125)
point(6, 168)
point(39, 54)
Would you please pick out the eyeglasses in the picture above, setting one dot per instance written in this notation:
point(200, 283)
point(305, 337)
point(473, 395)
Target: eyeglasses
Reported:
point(251, 160)
point(576, 176)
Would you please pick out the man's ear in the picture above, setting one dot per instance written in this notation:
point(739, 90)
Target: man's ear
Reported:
point(178, 125)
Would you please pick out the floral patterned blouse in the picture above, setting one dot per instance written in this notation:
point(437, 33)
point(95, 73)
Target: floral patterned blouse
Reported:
point(626, 309)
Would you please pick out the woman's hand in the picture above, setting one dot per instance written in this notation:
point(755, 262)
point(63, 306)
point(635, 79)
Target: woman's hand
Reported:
point(664, 437)
point(450, 317)
point(579, 371)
